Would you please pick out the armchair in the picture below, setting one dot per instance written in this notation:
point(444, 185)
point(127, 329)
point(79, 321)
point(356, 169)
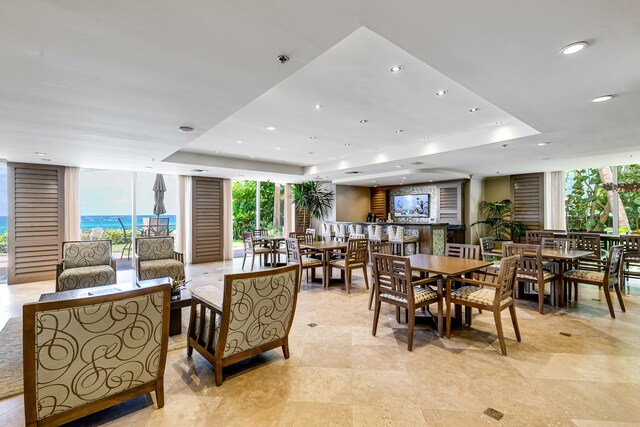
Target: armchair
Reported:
point(86, 354)
point(156, 258)
point(85, 264)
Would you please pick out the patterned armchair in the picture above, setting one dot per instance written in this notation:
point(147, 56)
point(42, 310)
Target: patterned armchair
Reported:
point(85, 264)
point(84, 355)
point(252, 315)
point(156, 258)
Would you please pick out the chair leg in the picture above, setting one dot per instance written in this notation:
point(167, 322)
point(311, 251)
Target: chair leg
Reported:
point(607, 295)
point(411, 320)
point(514, 320)
point(541, 297)
point(244, 259)
point(498, 319)
point(366, 278)
point(347, 280)
point(160, 392)
point(253, 261)
point(619, 293)
point(285, 347)
point(217, 368)
point(376, 314)
point(371, 291)
point(448, 309)
point(575, 291)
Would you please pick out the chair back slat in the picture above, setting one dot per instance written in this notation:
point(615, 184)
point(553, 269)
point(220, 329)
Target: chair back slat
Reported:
point(559, 243)
point(311, 231)
point(247, 239)
point(630, 244)
point(260, 232)
point(375, 233)
point(530, 259)
point(293, 250)
point(534, 237)
point(507, 276)
point(458, 250)
point(613, 262)
point(587, 242)
point(392, 276)
point(356, 251)
point(357, 236)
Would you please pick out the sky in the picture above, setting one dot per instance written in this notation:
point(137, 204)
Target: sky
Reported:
point(105, 192)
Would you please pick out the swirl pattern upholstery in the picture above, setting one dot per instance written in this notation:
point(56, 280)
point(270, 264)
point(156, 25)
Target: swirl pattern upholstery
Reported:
point(156, 258)
point(253, 315)
point(83, 355)
point(85, 264)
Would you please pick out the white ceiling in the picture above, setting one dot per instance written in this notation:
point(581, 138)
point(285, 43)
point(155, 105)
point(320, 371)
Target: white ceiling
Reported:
point(106, 85)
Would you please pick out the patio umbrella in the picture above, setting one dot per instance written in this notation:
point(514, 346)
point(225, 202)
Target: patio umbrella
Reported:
point(158, 195)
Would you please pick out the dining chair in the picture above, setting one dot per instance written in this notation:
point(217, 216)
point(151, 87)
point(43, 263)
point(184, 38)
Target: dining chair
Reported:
point(586, 242)
point(559, 243)
point(394, 285)
point(491, 296)
point(357, 236)
point(458, 250)
point(294, 257)
point(354, 259)
point(383, 248)
point(604, 279)
point(530, 268)
point(486, 249)
point(281, 248)
point(311, 231)
point(534, 237)
point(630, 266)
point(252, 248)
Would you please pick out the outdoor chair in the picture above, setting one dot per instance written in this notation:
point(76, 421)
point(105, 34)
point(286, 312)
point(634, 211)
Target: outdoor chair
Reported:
point(85, 264)
point(531, 269)
point(87, 354)
point(394, 285)
point(252, 315)
point(155, 227)
point(127, 241)
point(311, 231)
point(155, 258)
point(354, 259)
point(630, 257)
point(534, 237)
point(494, 297)
point(604, 279)
point(327, 232)
point(253, 248)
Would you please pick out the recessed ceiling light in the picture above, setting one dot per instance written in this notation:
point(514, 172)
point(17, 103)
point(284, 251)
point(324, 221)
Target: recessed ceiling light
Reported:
point(573, 48)
point(198, 170)
point(252, 156)
point(310, 152)
point(498, 173)
point(185, 128)
point(271, 128)
point(374, 181)
point(473, 110)
point(399, 130)
point(317, 107)
point(38, 153)
point(398, 166)
point(347, 145)
point(239, 142)
point(542, 143)
point(499, 123)
point(376, 185)
point(375, 149)
point(363, 121)
point(313, 137)
point(602, 98)
point(215, 152)
point(396, 68)
point(404, 177)
point(430, 180)
point(277, 148)
point(441, 92)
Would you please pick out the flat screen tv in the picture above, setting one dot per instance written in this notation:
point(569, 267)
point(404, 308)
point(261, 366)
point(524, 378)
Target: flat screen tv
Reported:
point(411, 206)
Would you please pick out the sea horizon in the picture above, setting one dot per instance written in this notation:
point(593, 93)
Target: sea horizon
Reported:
point(106, 222)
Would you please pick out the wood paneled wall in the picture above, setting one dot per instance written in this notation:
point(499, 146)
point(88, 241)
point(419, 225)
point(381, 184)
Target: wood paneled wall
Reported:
point(527, 195)
point(207, 223)
point(36, 221)
point(379, 202)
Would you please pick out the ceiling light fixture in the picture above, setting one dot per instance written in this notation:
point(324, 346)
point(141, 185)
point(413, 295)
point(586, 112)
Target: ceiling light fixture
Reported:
point(374, 181)
point(396, 68)
point(573, 48)
point(499, 123)
point(347, 145)
point(399, 130)
point(185, 128)
point(277, 148)
point(317, 107)
point(602, 98)
point(441, 92)
point(252, 156)
point(271, 128)
point(398, 166)
point(310, 152)
point(364, 121)
point(39, 153)
point(313, 137)
point(375, 149)
point(542, 143)
point(473, 110)
point(425, 139)
point(198, 170)
point(239, 142)
point(546, 158)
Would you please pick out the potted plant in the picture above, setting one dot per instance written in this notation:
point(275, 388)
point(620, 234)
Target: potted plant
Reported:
point(497, 217)
point(312, 199)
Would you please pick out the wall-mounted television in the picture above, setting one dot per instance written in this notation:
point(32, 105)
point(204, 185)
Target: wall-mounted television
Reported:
point(411, 206)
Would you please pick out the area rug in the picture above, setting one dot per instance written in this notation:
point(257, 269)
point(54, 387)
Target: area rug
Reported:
point(11, 358)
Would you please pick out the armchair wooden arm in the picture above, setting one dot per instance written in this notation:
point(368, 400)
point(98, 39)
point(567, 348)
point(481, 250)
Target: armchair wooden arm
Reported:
point(178, 256)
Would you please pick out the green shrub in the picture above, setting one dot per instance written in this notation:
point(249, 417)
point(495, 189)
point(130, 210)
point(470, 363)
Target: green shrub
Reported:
point(3, 242)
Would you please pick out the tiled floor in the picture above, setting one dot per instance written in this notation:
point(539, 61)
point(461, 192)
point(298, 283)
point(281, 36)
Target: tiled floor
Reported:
point(338, 374)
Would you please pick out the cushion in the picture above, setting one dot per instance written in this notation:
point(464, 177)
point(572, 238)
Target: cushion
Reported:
point(419, 295)
point(154, 249)
point(476, 295)
point(86, 277)
point(309, 262)
point(546, 276)
point(156, 269)
point(86, 254)
point(342, 263)
point(588, 275)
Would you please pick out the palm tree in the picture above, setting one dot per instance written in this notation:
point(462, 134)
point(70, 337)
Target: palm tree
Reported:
point(312, 198)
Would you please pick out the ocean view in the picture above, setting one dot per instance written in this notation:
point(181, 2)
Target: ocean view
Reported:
point(88, 222)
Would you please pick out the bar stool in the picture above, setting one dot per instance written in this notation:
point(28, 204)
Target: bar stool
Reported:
point(356, 229)
point(327, 232)
point(375, 233)
point(401, 243)
point(340, 232)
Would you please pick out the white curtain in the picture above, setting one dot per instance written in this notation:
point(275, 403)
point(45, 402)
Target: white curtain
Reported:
point(71, 203)
point(288, 226)
point(183, 218)
point(227, 218)
point(554, 208)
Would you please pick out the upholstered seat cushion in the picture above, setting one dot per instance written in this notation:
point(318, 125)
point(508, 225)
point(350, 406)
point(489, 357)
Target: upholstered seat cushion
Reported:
point(546, 276)
point(587, 275)
point(342, 263)
point(419, 295)
point(86, 277)
point(155, 269)
point(309, 262)
point(477, 295)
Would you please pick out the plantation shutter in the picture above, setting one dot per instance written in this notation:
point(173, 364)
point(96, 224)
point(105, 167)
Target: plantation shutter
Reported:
point(379, 203)
point(36, 221)
point(527, 195)
point(207, 224)
point(450, 204)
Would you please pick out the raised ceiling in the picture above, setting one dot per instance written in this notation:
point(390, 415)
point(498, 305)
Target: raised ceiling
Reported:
point(106, 85)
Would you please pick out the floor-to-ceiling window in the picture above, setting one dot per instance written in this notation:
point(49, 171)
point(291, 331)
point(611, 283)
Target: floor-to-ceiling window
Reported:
point(3, 224)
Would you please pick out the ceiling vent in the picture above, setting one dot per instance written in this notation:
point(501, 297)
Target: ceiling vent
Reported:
point(353, 172)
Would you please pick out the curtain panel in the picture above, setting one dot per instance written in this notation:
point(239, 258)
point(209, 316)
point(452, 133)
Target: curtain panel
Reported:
point(554, 207)
point(227, 219)
point(71, 203)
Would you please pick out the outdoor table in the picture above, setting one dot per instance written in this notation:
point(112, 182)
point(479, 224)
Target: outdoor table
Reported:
point(175, 313)
point(448, 268)
point(326, 248)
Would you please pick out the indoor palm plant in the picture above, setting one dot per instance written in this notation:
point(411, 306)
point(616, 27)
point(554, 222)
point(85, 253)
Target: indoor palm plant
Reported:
point(313, 199)
point(497, 218)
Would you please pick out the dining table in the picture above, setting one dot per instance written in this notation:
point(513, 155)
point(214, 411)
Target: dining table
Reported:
point(448, 268)
point(326, 248)
point(273, 242)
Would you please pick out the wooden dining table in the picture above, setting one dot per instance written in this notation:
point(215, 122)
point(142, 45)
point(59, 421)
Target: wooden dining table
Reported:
point(273, 242)
point(448, 268)
point(326, 248)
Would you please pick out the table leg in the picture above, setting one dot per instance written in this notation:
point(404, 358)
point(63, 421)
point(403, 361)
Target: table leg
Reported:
point(561, 280)
point(175, 321)
point(441, 308)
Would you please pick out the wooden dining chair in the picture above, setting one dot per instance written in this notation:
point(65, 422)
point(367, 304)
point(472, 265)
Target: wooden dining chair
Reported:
point(630, 266)
point(530, 268)
point(376, 248)
point(394, 285)
point(458, 250)
point(604, 279)
point(354, 259)
point(559, 243)
point(534, 237)
point(305, 263)
point(252, 248)
point(494, 297)
point(486, 249)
